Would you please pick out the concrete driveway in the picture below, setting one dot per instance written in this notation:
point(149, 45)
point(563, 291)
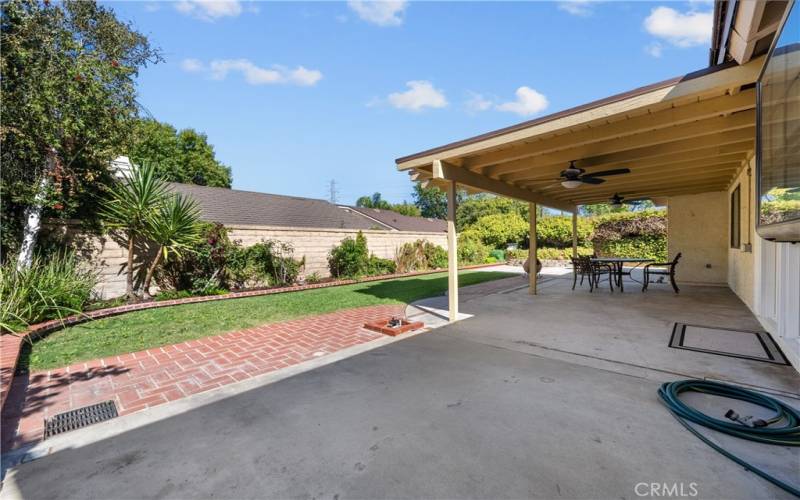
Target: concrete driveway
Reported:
point(433, 416)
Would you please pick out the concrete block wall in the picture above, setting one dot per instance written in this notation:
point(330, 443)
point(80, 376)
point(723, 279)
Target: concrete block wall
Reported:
point(108, 257)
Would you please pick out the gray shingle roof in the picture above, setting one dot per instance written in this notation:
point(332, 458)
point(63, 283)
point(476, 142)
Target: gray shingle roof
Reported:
point(404, 222)
point(234, 207)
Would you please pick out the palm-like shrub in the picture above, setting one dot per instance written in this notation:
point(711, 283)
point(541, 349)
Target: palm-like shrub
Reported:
point(173, 227)
point(130, 208)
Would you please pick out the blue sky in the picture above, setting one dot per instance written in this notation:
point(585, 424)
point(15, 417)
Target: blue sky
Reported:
point(295, 94)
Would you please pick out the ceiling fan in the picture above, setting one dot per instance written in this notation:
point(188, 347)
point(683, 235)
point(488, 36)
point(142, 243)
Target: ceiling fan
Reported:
point(617, 200)
point(573, 176)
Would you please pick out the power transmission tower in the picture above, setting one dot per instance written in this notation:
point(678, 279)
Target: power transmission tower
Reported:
point(333, 191)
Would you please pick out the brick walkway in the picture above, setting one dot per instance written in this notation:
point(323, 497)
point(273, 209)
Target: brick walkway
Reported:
point(149, 378)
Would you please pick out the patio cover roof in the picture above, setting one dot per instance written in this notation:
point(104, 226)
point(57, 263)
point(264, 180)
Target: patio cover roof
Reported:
point(685, 135)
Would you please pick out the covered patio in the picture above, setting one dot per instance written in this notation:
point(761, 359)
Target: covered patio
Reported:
point(684, 142)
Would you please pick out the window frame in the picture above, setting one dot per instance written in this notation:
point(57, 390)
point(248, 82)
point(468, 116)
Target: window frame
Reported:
point(736, 217)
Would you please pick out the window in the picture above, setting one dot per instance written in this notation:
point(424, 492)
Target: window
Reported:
point(777, 157)
point(736, 215)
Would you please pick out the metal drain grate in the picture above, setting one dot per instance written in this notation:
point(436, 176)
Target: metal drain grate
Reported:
point(78, 418)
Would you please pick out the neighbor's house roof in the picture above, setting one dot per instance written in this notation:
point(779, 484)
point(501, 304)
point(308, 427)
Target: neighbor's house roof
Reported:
point(232, 207)
point(404, 222)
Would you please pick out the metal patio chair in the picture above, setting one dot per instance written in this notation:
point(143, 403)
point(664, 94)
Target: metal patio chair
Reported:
point(661, 269)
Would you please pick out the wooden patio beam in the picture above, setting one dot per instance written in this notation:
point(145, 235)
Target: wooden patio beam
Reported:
point(446, 171)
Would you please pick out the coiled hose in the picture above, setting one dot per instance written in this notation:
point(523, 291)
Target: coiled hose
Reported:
point(760, 430)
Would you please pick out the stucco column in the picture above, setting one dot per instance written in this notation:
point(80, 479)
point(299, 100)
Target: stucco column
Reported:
point(452, 253)
point(532, 253)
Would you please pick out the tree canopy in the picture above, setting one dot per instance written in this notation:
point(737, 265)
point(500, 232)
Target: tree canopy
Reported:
point(179, 156)
point(377, 201)
point(69, 102)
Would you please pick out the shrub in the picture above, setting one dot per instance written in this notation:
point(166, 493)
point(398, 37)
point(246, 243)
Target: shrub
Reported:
point(500, 230)
point(420, 255)
point(648, 247)
point(274, 263)
point(556, 231)
point(313, 278)
point(350, 258)
point(550, 253)
point(499, 255)
point(517, 256)
point(378, 266)
point(50, 288)
point(206, 263)
point(631, 234)
point(471, 250)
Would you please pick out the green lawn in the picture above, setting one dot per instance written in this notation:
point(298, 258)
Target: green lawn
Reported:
point(140, 330)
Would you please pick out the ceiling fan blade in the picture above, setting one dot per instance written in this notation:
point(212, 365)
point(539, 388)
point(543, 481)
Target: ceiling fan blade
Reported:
point(606, 173)
point(592, 180)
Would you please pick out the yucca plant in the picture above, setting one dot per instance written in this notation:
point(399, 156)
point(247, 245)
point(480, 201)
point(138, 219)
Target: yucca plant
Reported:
point(131, 205)
point(173, 227)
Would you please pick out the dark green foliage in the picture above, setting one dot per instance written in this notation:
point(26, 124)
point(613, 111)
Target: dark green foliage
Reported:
point(204, 265)
point(632, 234)
point(432, 202)
point(378, 267)
point(273, 262)
point(374, 201)
point(53, 287)
point(181, 156)
point(68, 86)
point(350, 258)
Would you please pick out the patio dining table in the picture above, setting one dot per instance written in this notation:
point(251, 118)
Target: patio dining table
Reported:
point(617, 264)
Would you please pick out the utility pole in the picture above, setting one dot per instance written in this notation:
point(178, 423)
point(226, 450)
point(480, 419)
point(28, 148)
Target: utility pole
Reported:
point(333, 191)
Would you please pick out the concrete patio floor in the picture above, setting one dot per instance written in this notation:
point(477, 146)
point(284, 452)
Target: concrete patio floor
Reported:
point(626, 332)
point(506, 404)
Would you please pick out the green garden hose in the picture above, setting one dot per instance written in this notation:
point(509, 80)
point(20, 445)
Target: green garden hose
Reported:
point(761, 431)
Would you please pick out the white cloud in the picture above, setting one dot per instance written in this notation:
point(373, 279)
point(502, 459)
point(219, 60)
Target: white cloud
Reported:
point(192, 65)
point(477, 102)
point(420, 94)
point(209, 10)
point(380, 12)
point(581, 8)
point(253, 74)
point(528, 102)
point(678, 28)
point(654, 49)
point(152, 7)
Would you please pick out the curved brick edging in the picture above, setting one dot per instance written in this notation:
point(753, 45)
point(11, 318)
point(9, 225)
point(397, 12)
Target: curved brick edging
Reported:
point(10, 344)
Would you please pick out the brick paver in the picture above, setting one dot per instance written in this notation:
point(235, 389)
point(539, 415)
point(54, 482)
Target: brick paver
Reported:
point(149, 378)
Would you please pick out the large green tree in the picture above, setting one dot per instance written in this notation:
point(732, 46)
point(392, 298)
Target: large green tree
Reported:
point(374, 201)
point(432, 201)
point(377, 201)
point(68, 86)
point(180, 156)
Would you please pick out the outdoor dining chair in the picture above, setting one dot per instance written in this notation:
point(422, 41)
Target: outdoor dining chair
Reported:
point(591, 271)
point(661, 269)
